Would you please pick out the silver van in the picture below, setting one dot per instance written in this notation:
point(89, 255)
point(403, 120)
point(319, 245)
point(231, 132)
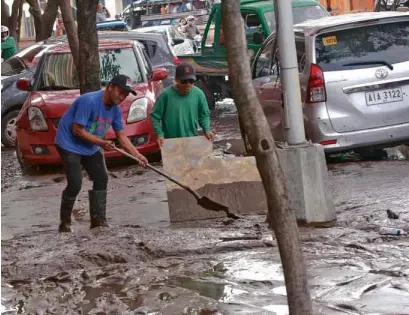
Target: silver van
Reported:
point(354, 77)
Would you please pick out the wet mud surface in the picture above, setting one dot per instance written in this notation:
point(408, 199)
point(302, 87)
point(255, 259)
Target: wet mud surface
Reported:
point(145, 265)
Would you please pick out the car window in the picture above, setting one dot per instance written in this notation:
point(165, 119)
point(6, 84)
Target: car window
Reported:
point(266, 63)
point(300, 48)
point(388, 42)
point(59, 73)
point(157, 53)
point(252, 24)
point(12, 66)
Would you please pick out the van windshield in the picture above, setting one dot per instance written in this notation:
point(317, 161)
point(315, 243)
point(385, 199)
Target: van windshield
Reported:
point(386, 42)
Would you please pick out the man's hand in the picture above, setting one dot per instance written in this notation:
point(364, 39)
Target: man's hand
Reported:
point(108, 145)
point(143, 160)
point(161, 140)
point(209, 135)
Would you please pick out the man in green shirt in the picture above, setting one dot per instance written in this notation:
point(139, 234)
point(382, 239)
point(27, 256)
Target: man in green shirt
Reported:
point(8, 45)
point(181, 108)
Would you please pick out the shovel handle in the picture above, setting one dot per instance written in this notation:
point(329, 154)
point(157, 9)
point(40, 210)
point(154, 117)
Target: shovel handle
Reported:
point(171, 178)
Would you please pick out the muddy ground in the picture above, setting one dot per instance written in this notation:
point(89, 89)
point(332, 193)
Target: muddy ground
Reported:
point(145, 265)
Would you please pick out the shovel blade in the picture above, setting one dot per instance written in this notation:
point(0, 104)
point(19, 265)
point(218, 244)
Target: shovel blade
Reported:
point(209, 204)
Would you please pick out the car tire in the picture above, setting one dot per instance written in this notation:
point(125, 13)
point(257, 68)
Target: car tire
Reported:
point(211, 100)
point(8, 128)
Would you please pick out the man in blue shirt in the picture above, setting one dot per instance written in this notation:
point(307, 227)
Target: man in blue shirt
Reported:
point(79, 139)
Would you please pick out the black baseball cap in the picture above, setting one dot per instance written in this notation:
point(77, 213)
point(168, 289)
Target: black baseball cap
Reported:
point(124, 82)
point(185, 71)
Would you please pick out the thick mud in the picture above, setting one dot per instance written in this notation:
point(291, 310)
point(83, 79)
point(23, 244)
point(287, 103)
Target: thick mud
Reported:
point(145, 265)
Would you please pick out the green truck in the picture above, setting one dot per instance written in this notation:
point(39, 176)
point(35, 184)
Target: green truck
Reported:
point(259, 21)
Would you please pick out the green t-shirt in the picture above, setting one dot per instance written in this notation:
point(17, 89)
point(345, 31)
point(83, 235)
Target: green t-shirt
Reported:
point(178, 116)
point(8, 48)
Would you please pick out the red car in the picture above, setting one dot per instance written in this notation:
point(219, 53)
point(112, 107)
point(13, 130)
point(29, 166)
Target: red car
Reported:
point(56, 85)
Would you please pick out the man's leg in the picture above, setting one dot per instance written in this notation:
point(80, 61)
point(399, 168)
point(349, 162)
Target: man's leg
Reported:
point(97, 171)
point(73, 171)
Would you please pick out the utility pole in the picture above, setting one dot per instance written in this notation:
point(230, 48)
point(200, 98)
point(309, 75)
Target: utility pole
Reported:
point(294, 120)
point(303, 163)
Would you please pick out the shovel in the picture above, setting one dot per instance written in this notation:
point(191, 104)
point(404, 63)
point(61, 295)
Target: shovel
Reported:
point(204, 202)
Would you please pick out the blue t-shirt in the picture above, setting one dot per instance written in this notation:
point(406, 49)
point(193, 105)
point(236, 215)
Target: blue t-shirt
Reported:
point(90, 111)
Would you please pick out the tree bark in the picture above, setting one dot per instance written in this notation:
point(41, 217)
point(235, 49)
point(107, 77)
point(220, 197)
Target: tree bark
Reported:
point(251, 114)
point(71, 30)
point(88, 46)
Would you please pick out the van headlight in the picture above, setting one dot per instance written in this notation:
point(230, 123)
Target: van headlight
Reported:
point(37, 120)
point(138, 110)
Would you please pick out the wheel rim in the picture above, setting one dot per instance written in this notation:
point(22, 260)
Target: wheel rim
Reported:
point(10, 131)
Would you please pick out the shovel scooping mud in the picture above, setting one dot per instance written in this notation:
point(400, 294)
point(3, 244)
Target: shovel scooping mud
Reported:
point(202, 201)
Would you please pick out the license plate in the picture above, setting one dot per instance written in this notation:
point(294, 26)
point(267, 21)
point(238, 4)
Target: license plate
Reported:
point(384, 96)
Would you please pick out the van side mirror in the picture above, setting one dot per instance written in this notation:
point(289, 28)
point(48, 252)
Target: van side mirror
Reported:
point(258, 38)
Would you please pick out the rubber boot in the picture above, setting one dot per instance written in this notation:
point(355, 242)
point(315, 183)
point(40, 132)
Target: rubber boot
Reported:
point(67, 204)
point(97, 208)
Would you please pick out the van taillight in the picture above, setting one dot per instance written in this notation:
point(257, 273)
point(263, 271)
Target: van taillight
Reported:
point(316, 86)
point(176, 60)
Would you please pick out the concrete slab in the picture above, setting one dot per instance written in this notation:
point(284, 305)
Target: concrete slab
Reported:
point(236, 183)
point(233, 182)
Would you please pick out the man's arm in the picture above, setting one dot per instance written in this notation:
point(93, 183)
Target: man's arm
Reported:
point(118, 126)
point(157, 117)
point(204, 113)
point(9, 43)
point(107, 13)
point(80, 131)
point(204, 116)
point(128, 146)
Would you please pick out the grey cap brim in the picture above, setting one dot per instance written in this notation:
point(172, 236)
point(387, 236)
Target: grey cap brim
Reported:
point(188, 77)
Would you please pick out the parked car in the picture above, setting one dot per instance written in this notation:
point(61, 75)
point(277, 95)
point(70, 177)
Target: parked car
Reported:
point(56, 85)
point(176, 40)
point(113, 25)
point(156, 48)
point(354, 77)
point(23, 64)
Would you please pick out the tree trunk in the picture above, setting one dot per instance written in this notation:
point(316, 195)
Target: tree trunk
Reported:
point(19, 19)
point(88, 46)
point(49, 16)
point(5, 13)
point(71, 30)
point(282, 218)
point(43, 23)
point(13, 20)
point(38, 19)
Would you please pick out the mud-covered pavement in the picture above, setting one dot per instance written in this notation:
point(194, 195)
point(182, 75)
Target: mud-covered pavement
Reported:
point(144, 265)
